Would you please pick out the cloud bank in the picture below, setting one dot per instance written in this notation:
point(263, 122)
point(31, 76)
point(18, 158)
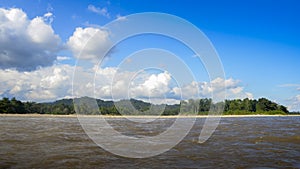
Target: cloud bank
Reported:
point(55, 82)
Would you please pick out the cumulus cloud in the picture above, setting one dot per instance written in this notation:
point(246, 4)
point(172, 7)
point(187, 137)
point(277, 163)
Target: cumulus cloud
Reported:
point(155, 85)
point(188, 91)
point(44, 84)
point(215, 88)
point(26, 44)
point(89, 43)
point(55, 82)
point(294, 103)
point(116, 85)
point(113, 84)
point(100, 11)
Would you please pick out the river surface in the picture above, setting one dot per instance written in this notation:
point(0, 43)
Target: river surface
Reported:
point(238, 142)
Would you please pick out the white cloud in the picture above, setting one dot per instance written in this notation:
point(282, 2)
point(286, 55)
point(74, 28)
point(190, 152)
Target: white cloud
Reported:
point(55, 82)
point(121, 18)
point(216, 87)
point(89, 43)
point(61, 58)
point(249, 95)
point(42, 34)
point(26, 44)
point(15, 89)
point(48, 17)
point(112, 83)
point(100, 11)
point(190, 90)
point(153, 86)
point(43, 84)
point(294, 103)
point(236, 90)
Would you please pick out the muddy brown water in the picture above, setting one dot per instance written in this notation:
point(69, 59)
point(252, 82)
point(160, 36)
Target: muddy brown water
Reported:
point(239, 142)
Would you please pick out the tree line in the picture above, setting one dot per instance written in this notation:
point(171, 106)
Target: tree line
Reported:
point(138, 107)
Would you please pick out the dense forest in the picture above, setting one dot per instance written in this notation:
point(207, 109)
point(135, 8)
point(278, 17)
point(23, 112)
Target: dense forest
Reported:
point(200, 107)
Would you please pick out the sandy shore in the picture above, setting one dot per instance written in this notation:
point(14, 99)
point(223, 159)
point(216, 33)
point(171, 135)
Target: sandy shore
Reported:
point(135, 116)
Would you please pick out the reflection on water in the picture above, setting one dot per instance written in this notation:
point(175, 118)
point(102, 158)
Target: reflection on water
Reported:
point(57, 142)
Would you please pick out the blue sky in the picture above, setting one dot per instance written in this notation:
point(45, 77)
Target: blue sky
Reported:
point(258, 42)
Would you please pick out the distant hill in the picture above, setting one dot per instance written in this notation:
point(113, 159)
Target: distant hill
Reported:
point(199, 106)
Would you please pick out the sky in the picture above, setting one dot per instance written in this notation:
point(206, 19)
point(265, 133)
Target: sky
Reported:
point(258, 43)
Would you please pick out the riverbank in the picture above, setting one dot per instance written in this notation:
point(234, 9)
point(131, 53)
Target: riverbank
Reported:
point(136, 116)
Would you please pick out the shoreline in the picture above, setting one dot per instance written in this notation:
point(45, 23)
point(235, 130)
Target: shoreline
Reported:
point(143, 116)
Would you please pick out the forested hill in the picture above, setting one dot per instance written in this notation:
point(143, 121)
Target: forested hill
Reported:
point(65, 106)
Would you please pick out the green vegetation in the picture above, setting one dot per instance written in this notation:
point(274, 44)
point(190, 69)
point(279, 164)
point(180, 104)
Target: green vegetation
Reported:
point(200, 107)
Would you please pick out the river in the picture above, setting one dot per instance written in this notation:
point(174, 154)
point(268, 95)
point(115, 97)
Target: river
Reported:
point(238, 142)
